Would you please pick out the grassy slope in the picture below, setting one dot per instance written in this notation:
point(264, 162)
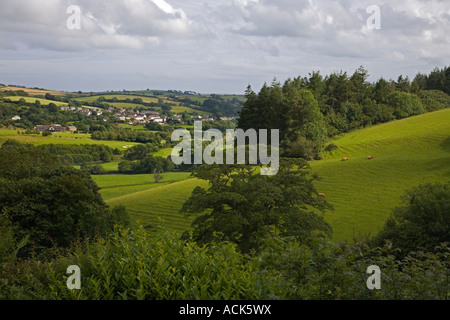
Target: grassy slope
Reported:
point(114, 186)
point(33, 100)
point(161, 200)
point(406, 153)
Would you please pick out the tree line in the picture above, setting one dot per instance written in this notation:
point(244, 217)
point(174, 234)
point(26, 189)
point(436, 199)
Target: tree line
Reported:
point(70, 154)
point(309, 110)
point(141, 136)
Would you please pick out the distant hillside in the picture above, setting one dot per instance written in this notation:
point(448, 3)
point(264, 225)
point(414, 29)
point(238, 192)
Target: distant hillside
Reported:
point(32, 91)
point(180, 101)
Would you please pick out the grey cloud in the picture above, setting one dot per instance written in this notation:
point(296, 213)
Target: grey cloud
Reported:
point(104, 24)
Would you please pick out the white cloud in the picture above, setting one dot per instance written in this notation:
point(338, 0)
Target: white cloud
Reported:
point(104, 24)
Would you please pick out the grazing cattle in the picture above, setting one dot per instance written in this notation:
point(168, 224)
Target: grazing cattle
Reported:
point(321, 195)
point(369, 157)
point(345, 159)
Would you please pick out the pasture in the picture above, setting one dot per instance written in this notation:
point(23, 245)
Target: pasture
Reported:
point(61, 138)
point(363, 192)
point(148, 202)
point(33, 100)
point(405, 153)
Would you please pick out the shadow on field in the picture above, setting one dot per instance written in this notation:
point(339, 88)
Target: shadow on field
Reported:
point(445, 144)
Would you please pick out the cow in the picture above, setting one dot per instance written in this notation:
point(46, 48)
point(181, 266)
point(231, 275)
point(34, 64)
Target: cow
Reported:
point(345, 159)
point(369, 157)
point(321, 195)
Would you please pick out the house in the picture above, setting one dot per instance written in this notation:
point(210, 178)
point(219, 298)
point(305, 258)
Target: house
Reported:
point(15, 118)
point(178, 117)
point(157, 119)
point(140, 119)
point(227, 118)
point(71, 128)
point(51, 128)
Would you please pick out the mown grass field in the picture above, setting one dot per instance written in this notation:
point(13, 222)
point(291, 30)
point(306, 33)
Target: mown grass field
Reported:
point(120, 185)
point(363, 192)
point(406, 153)
point(148, 202)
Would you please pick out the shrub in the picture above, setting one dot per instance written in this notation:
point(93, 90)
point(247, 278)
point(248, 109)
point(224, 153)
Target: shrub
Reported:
point(134, 265)
point(331, 147)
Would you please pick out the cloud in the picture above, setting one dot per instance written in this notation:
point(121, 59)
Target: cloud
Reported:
point(130, 24)
point(228, 42)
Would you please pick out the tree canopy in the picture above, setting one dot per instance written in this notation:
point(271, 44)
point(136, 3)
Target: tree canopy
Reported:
point(246, 208)
point(49, 202)
point(422, 221)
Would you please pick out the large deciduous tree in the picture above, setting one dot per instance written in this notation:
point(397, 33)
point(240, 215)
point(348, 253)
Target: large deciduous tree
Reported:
point(245, 207)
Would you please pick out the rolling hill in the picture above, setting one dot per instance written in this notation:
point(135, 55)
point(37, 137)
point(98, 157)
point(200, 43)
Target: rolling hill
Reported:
point(406, 153)
point(363, 192)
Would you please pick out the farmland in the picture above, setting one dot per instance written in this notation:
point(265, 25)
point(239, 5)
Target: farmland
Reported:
point(406, 152)
point(60, 138)
point(363, 192)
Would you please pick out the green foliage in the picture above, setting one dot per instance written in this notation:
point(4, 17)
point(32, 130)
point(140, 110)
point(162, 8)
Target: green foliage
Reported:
point(51, 203)
point(245, 208)
point(146, 165)
point(321, 270)
point(422, 222)
point(135, 265)
point(79, 154)
point(141, 136)
point(139, 152)
point(93, 169)
point(433, 100)
point(291, 109)
point(405, 104)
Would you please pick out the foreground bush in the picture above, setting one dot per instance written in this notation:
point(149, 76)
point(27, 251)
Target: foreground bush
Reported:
point(134, 264)
point(137, 265)
point(324, 270)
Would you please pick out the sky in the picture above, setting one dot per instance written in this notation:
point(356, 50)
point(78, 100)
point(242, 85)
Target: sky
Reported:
point(219, 46)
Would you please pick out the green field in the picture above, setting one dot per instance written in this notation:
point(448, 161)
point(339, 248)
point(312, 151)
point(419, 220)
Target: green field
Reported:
point(163, 153)
point(61, 138)
point(406, 153)
point(33, 100)
point(147, 201)
point(120, 185)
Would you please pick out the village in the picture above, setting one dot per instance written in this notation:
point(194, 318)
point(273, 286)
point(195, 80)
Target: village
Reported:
point(121, 115)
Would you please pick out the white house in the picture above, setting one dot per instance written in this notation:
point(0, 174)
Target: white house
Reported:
point(15, 118)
